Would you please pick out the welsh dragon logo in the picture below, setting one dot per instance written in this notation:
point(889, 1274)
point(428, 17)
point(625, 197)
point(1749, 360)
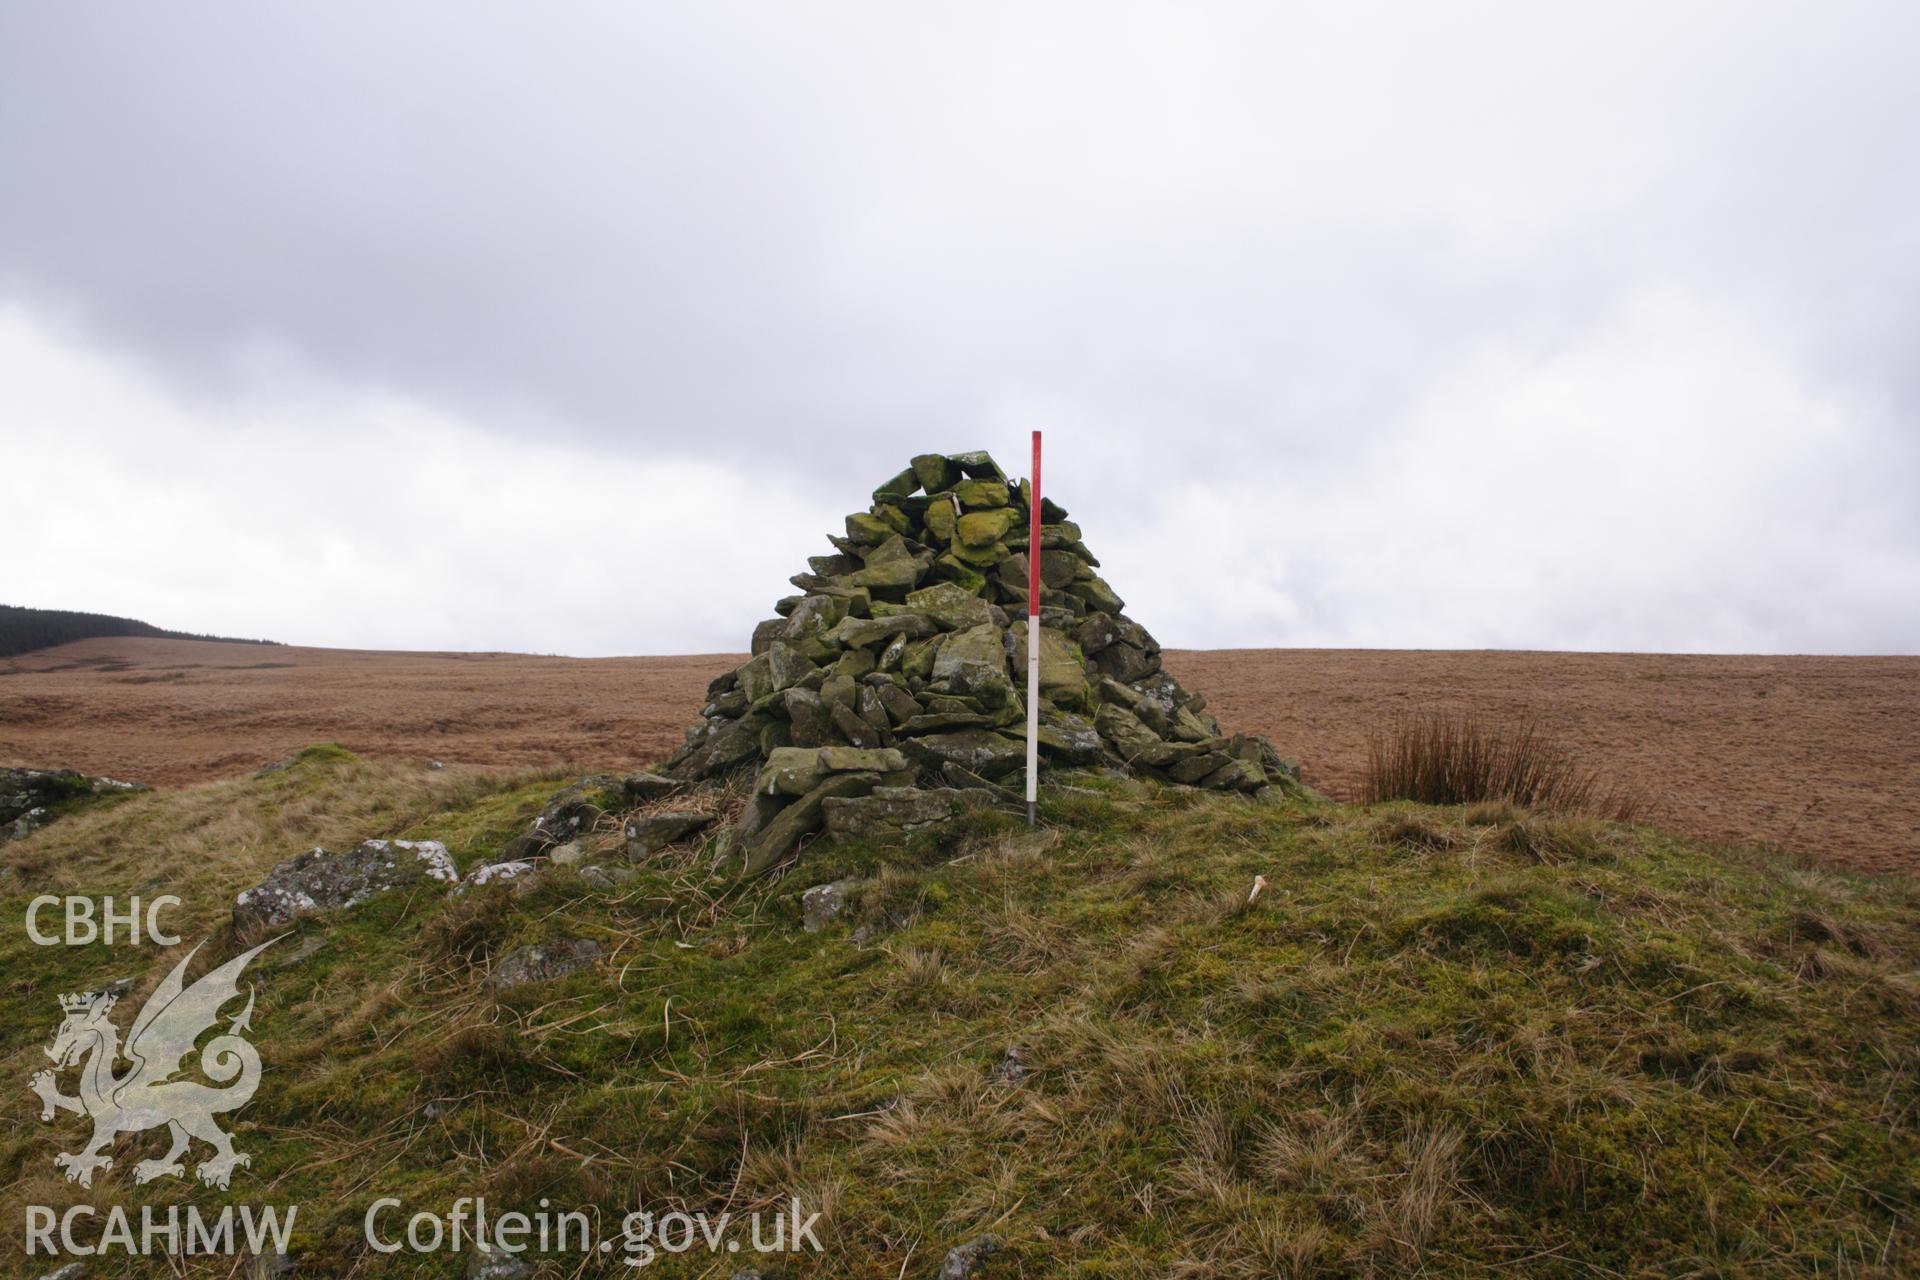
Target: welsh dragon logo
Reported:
point(146, 1095)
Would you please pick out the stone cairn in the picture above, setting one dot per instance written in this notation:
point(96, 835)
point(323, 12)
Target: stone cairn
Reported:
point(887, 694)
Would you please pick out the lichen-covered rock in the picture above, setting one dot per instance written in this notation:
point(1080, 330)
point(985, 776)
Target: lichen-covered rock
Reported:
point(1126, 731)
point(571, 813)
point(974, 494)
point(1197, 767)
point(777, 839)
point(794, 771)
point(498, 1266)
point(1012, 1068)
point(272, 1265)
point(642, 787)
point(1097, 594)
point(989, 754)
point(31, 798)
point(25, 825)
point(961, 1262)
point(950, 606)
point(494, 873)
point(890, 569)
point(974, 662)
point(719, 744)
point(821, 905)
point(1068, 738)
point(850, 759)
point(861, 633)
point(936, 473)
point(321, 881)
point(1236, 775)
point(896, 812)
point(544, 961)
point(650, 833)
point(984, 528)
point(1063, 673)
point(1125, 663)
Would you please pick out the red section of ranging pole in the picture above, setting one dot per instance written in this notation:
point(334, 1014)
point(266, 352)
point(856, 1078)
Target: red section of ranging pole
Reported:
point(1033, 536)
point(1033, 636)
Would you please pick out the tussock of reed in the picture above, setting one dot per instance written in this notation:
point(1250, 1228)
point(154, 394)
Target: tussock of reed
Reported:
point(1455, 757)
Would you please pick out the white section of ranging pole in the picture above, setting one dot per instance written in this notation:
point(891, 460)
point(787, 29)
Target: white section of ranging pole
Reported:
point(1033, 714)
point(1033, 637)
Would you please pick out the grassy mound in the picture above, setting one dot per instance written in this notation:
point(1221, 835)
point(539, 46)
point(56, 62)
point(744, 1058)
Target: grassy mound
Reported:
point(1443, 1041)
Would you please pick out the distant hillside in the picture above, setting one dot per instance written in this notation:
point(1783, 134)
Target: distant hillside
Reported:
point(23, 630)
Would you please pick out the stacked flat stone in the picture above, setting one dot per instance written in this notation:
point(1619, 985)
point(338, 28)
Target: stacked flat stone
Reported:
point(900, 666)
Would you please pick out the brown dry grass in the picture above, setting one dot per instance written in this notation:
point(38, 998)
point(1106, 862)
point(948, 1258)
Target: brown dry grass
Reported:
point(1818, 755)
point(198, 842)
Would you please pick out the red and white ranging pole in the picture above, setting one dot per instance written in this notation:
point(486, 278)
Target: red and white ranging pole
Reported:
point(1033, 636)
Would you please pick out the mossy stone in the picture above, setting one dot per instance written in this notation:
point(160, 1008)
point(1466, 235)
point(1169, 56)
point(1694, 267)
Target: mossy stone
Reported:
point(1059, 537)
point(777, 734)
point(916, 662)
point(979, 465)
point(935, 471)
point(866, 530)
point(1124, 730)
point(982, 558)
point(975, 662)
point(982, 751)
point(756, 676)
point(949, 606)
point(960, 573)
point(940, 519)
point(891, 567)
point(900, 705)
point(815, 615)
point(1059, 568)
point(1194, 768)
point(945, 722)
point(800, 817)
point(1063, 673)
point(983, 528)
point(811, 725)
point(1097, 594)
point(855, 663)
point(854, 727)
point(978, 494)
point(839, 691)
point(1236, 775)
point(1125, 663)
point(1068, 738)
point(894, 517)
point(859, 633)
point(785, 666)
point(850, 759)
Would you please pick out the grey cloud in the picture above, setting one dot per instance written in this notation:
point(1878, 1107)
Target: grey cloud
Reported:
point(1200, 243)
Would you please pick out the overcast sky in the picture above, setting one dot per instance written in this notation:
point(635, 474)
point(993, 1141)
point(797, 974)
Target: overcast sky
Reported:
point(574, 328)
